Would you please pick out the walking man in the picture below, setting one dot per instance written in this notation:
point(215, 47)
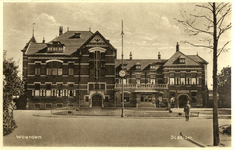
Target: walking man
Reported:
point(187, 110)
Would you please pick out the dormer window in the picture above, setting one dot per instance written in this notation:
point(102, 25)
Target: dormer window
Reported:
point(56, 47)
point(76, 35)
point(138, 67)
point(152, 67)
point(182, 60)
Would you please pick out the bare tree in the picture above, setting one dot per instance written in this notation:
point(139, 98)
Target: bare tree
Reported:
point(209, 24)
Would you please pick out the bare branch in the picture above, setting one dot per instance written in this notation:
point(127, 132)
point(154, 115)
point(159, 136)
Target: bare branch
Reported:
point(218, 10)
point(201, 17)
point(199, 30)
point(223, 30)
point(223, 16)
point(223, 48)
point(204, 7)
point(210, 4)
point(219, 5)
point(195, 45)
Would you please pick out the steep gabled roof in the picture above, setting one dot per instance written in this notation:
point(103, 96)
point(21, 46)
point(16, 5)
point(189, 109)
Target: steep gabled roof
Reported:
point(71, 44)
point(188, 61)
point(99, 34)
point(198, 59)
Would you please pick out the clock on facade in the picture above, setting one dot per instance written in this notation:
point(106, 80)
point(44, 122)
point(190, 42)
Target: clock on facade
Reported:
point(122, 73)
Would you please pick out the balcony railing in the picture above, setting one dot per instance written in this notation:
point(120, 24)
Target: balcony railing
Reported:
point(143, 86)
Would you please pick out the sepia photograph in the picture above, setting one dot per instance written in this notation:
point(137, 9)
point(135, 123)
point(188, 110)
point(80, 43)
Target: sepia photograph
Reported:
point(116, 74)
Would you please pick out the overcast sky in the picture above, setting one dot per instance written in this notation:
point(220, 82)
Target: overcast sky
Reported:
point(149, 27)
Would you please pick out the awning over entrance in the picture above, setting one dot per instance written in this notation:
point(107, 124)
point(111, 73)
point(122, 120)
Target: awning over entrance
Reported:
point(145, 91)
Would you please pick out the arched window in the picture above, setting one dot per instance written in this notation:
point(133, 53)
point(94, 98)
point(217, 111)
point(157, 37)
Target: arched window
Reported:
point(54, 68)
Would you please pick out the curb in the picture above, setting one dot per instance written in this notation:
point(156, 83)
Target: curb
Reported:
point(190, 140)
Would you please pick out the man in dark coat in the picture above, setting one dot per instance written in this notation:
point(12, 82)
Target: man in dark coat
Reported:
point(187, 110)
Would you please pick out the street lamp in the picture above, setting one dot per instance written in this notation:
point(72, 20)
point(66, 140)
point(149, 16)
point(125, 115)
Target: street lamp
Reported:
point(122, 74)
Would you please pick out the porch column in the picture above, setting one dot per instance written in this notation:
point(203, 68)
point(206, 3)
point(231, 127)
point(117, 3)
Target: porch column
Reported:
point(138, 99)
point(153, 100)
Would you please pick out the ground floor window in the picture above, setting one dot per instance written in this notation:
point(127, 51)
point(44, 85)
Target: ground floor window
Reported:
point(37, 106)
point(59, 105)
point(86, 99)
point(48, 106)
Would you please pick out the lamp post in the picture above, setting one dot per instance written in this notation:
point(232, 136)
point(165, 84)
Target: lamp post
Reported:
point(122, 74)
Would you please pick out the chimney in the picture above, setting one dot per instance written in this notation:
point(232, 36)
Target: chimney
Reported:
point(89, 29)
point(177, 47)
point(159, 55)
point(130, 56)
point(60, 30)
point(67, 28)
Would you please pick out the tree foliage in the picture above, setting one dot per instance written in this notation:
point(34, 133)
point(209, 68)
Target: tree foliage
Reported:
point(12, 85)
point(224, 87)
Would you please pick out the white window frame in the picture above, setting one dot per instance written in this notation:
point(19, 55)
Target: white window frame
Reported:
point(37, 93)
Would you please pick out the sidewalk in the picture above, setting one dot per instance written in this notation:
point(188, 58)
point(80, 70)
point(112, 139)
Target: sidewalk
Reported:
point(134, 112)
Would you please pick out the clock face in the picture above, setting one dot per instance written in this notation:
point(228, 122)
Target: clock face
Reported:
point(122, 73)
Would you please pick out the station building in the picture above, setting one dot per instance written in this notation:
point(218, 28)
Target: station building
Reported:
point(157, 82)
point(79, 68)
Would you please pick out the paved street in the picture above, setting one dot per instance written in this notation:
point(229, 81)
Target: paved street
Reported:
point(107, 131)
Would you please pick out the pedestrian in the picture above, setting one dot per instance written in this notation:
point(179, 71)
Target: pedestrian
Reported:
point(187, 110)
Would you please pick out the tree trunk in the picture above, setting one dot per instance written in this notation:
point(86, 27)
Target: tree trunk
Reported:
point(215, 106)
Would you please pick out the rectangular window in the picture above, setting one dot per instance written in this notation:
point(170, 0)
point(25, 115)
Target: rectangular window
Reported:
point(60, 71)
point(182, 81)
point(59, 105)
point(37, 92)
point(70, 71)
point(64, 92)
point(171, 81)
point(86, 99)
point(187, 81)
point(59, 93)
point(198, 81)
point(48, 92)
point(37, 71)
point(37, 106)
point(152, 81)
point(193, 81)
point(48, 106)
point(176, 81)
point(138, 81)
point(96, 86)
point(54, 71)
point(138, 76)
point(142, 99)
point(48, 71)
point(70, 92)
point(102, 86)
point(90, 86)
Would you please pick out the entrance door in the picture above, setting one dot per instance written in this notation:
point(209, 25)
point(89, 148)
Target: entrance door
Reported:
point(183, 101)
point(96, 101)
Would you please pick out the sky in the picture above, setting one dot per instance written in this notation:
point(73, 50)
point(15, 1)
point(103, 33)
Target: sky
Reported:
point(148, 27)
